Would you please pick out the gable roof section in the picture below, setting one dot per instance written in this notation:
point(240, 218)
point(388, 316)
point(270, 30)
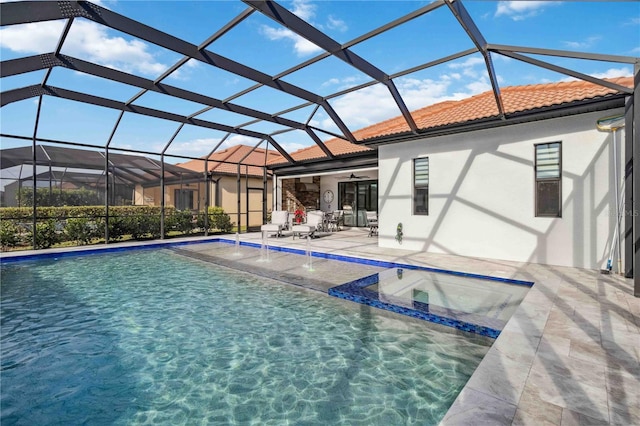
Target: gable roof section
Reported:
point(516, 99)
point(226, 161)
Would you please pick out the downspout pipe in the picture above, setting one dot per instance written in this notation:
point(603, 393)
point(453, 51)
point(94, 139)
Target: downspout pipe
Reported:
point(613, 124)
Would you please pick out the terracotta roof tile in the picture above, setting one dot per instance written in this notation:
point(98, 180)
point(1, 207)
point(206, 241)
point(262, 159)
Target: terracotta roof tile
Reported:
point(336, 146)
point(233, 154)
point(515, 99)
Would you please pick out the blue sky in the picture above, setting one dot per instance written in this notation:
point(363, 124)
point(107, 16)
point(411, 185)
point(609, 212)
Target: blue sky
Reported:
point(595, 27)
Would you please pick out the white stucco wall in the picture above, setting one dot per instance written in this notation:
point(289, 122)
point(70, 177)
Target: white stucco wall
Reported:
point(481, 201)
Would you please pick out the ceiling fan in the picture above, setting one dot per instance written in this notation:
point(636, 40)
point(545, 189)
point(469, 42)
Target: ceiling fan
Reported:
point(354, 176)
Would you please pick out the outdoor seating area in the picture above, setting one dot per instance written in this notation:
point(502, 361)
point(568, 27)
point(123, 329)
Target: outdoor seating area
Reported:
point(314, 223)
point(279, 222)
point(372, 223)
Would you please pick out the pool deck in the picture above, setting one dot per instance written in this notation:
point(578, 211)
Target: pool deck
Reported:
point(570, 355)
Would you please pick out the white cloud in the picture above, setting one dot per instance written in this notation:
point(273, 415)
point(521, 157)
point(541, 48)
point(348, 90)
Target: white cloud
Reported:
point(301, 46)
point(202, 146)
point(303, 10)
point(184, 71)
point(519, 10)
point(291, 146)
point(194, 147)
point(632, 21)
point(342, 83)
point(584, 44)
point(87, 40)
point(469, 62)
point(374, 104)
point(336, 24)
point(331, 82)
point(468, 67)
point(31, 38)
point(307, 12)
point(615, 72)
point(475, 87)
point(610, 73)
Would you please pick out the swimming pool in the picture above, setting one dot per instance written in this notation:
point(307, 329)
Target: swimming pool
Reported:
point(151, 336)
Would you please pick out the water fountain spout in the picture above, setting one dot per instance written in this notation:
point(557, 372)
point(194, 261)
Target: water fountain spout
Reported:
point(264, 248)
point(237, 252)
point(309, 264)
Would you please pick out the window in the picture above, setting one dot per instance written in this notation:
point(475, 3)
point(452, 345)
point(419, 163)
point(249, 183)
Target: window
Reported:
point(548, 170)
point(183, 199)
point(421, 186)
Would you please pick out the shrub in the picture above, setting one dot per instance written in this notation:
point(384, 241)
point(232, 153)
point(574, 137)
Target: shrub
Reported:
point(9, 234)
point(46, 234)
point(81, 230)
point(222, 221)
point(179, 220)
point(66, 197)
point(218, 219)
point(84, 223)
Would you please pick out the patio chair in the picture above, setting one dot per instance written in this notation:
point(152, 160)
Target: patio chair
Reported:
point(314, 224)
point(279, 222)
point(335, 221)
point(372, 223)
point(348, 218)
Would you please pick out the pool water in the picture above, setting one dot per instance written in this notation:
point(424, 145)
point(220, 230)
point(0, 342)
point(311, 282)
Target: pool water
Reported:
point(479, 301)
point(149, 336)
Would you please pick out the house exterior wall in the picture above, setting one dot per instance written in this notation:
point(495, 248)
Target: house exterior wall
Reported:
point(228, 200)
point(482, 194)
point(228, 188)
point(151, 196)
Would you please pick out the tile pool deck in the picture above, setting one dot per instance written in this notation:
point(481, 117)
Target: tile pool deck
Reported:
point(569, 355)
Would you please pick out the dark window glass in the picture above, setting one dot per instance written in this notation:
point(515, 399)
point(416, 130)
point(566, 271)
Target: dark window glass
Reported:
point(183, 199)
point(548, 174)
point(548, 199)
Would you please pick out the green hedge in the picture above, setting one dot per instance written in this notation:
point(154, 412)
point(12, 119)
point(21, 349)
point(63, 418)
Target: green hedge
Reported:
point(86, 224)
point(55, 197)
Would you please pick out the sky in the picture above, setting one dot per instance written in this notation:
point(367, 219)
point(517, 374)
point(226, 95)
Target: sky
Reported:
point(611, 28)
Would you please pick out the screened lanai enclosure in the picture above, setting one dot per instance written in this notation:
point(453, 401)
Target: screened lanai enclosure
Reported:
point(72, 176)
point(111, 111)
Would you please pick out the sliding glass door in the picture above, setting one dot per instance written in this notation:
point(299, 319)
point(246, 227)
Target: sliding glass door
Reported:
point(356, 198)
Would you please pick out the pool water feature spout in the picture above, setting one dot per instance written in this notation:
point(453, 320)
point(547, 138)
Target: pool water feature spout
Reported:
point(309, 264)
point(264, 248)
point(237, 252)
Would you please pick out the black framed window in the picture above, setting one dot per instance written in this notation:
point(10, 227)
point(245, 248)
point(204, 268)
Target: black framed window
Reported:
point(421, 186)
point(548, 173)
point(183, 199)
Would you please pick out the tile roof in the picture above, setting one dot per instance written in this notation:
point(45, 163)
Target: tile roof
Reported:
point(482, 106)
point(220, 161)
point(336, 146)
point(515, 99)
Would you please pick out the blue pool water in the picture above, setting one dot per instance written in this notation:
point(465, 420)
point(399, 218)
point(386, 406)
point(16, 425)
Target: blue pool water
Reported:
point(153, 337)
